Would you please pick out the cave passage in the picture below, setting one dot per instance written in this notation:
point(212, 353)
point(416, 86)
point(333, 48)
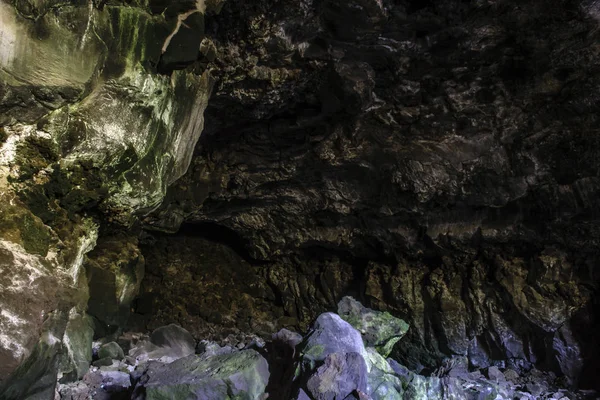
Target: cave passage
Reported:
point(299, 199)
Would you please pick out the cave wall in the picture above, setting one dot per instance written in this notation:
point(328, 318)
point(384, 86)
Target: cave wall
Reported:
point(437, 159)
point(444, 155)
point(98, 115)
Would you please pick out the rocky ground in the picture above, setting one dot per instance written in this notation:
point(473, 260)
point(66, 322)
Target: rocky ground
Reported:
point(342, 356)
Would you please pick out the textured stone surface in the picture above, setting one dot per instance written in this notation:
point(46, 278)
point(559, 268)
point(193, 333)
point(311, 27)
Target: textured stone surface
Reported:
point(111, 350)
point(115, 269)
point(331, 334)
point(35, 378)
point(206, 288)
point(438, 159)
point(167, 344)
point(435, 159)
point(378, 329)
point(242, 375)
point(91, 134)
point(338, 373)
point(343, 373)
point(78, 338)
point(340, 376)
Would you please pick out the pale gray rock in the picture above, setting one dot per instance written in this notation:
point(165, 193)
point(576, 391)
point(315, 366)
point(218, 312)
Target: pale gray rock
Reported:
point(331, 334)
point(166, 344)
point(340, 376)
point(243, 375)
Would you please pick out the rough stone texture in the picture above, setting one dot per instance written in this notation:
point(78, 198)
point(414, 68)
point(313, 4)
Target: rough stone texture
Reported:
point(91, 135)
point(287, 338)
point(331, 361)
point(115, 268)
point(206, 288)
point(78, 338)
point(35, 377)
point(242, 375)
point(381, 381)
point(167, 344)
point(98, 385)
point(115, 382)
point(111, 350)
point(438, 159)
point(175, 337)
point(330, 334)
point(340, 375)
point(378, 329)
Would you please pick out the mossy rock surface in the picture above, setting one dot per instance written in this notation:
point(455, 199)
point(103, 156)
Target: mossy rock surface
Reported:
point(241, 375)
point(378, 329)
point(111, 350)
point(78, 342)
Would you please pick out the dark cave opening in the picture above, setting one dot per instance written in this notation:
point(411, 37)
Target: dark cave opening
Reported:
point(218, 233)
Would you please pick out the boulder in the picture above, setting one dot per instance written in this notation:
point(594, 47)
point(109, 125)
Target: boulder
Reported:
point(335, 364)
point(36, 377)
point(111, 350)
point(78, 342)
point(331, 334)
point(341, 375)
point(378, 329)
point(511, 375)
point(207, 349)
point(568, 353)
point(75, 391)
point(167, 344)
point(175, 337)
point(287, 338)
point(115, 381)
point(495, 375)
point(240, 375)
point(98, 385)
point(301, 395)
point(382, 384)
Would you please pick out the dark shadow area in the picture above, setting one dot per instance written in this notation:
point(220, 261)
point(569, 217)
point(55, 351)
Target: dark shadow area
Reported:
point(220, 234)
point(585, 325)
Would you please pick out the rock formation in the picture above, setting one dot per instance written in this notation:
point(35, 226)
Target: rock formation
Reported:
point(92, 135)
point(438, 160)
point(239, 167)
point(334, 360)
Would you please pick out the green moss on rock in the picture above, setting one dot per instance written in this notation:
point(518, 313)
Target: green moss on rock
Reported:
point(380, 330)
point(241, 375)
point(35, 236)
point(315, 351)
point(34, 154)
